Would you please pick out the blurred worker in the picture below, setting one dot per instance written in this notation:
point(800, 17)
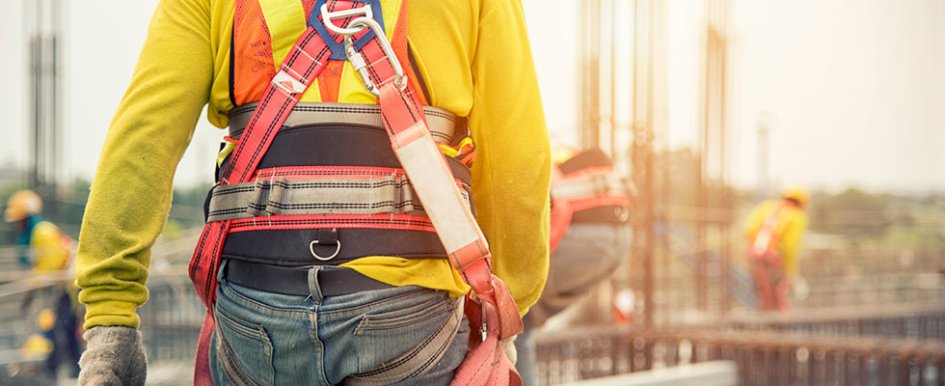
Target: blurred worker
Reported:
point(774, 231)
point(45, 249)
point(317, 261)
point(590, 237)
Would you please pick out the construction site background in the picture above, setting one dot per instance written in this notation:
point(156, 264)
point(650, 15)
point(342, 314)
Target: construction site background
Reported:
point(701, 147)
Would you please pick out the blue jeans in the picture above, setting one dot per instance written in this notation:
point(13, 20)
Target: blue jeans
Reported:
point(588, 254)
point(265, 338)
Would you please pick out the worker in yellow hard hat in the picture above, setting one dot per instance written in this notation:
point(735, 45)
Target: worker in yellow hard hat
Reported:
point(774, 232)
point(45, 249)
point(40, 244)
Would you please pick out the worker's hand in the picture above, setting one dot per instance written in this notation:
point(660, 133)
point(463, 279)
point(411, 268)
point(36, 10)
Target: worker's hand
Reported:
point(114, 356)
point(508, 346)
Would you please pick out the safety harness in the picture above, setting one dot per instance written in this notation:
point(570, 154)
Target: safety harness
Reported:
point(586, 189)
point(767, 259)
point(273, 188)
point(767, 240)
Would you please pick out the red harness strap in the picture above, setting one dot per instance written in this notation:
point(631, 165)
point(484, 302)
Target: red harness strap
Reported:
point(299, 69)
point(497, 315)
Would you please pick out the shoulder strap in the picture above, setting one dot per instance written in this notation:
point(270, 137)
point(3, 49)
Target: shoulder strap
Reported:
point(456, 227)
point(304, 62)
point(767, 238)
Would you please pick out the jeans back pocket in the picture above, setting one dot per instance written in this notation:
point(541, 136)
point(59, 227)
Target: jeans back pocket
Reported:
point(244, 352)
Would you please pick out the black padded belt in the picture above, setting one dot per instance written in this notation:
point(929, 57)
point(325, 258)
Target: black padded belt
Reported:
point(328, 145)
point(339, 145)
point(295, 247)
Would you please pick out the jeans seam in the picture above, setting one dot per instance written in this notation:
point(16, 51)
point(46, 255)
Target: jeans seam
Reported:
point(259, 334)
point(378, 322)
point(231, 369)
point(313, 318)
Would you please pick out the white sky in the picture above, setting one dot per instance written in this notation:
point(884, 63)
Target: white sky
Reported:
point(856, 87)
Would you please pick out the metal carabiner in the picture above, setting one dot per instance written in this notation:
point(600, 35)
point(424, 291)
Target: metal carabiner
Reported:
point(328, 17)
point(364, 19)
point(357, 60)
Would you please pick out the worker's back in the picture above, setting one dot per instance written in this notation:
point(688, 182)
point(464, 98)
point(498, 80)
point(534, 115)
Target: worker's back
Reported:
point(50, 247)
point(777, 227)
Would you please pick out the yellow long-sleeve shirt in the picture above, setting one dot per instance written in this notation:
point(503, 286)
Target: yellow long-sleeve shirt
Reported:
point(787, 230)
point(475, 59)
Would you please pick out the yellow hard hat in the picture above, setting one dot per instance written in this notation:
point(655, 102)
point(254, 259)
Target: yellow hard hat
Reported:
point(46, 319)
point(797, 194)
point(22, 204)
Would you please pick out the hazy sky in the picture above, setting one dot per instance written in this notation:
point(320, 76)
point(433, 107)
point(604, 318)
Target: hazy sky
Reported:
point(856, 88)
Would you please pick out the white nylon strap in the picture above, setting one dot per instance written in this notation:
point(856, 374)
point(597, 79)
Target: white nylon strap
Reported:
point(589, 185)
point(441, 200)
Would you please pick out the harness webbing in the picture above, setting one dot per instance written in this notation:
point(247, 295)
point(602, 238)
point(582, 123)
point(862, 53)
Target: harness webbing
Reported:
point(362, 193)
point(497, 317)
point(303, 64)
point(442, 123)
point(419, 155)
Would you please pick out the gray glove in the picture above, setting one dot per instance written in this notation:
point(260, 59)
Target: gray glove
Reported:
point(114, 357)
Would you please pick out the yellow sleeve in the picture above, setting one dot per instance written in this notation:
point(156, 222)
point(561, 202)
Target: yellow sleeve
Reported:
point(48, 246)
point(511, 174)
point(791, 241)
point(131, 192)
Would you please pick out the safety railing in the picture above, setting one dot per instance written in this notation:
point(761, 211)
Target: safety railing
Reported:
point(896, 321)
point(171, 319)
point(20, 304)
point(774, 359)
point(769, 354)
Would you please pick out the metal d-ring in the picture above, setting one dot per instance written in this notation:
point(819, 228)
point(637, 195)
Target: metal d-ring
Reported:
point(311, 248)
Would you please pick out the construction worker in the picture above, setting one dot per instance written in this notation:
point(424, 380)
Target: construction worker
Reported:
point(310, 289)
point(46, 250)
point(774, 232)
point(590, 237)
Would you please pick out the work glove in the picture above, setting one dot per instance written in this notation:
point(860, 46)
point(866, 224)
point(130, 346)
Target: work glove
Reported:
point(114, 357)
point(508, 345)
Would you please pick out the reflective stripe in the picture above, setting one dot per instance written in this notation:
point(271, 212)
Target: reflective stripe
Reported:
point(441, 123)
